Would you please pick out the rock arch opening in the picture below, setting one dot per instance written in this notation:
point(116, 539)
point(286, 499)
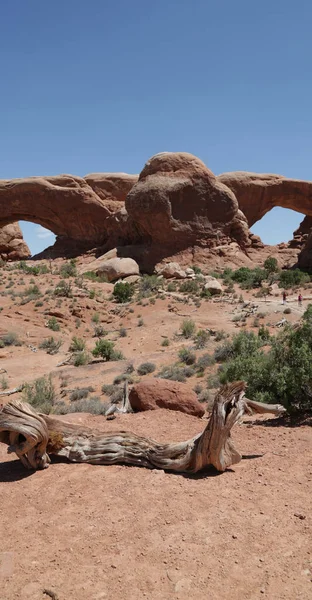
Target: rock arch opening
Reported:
point(277, 225)
point(37, 237)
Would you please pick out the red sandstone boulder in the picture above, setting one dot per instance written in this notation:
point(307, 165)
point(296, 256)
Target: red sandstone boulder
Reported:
point(12, 245)
point(163, 393)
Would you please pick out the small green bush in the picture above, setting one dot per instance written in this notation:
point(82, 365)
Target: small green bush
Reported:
point(190, 286)
point(105, 349)
point(123, 292)
point(10, 339)
point(54, 324)
point(188, 328)
point(99, 331)
point(292, 278)
point(77, 345)
point(165, 342)
point(63, 289)
point(123, 332)
point(201, 339)
point(51, 345)
point(87, 405)
point(80, 393)
point(146, 368)
point(204, 361)
point(40, 394)
point(69, 269)
point(187, 356)
point(81, 358)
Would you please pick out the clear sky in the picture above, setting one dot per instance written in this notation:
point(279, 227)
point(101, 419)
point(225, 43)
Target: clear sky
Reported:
point(102, 86)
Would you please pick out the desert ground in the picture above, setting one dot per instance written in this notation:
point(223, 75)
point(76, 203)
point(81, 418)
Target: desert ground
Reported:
point(98, 532)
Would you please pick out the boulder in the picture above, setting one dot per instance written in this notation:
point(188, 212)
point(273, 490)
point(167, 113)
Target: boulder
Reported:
point(118, 268)
point(112, 266)
point(213, 285)
point(151, 394)
point(171, 270)
point(12, 245)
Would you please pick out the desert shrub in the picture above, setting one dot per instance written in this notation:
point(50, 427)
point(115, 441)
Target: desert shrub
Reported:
point(95, 317)
point(129, 368)
point(198, 388)
point(146, 368)
point(204, 361)
point(187, 356)
point(172, 287)
point(190, 286)
point(50, 345)
point(223, 352)
point(105, 349)
point(99, 331)
point(207, 396)
point(123, 332)
point(10, 339)
point(249, 278)
point(201, 339)
point(220, 335)
point(176, 373)
point(188, 328)
point(69, 269)
point(32, 290)
point(122, 378)
point(88, 405)
point(287, 311)
point(38, 304)
point(53, 324)
point(165, 342)
point(264, 334)
point(63, 289)
point(77, 345)
point(80, 393)
point(100, 278)
point(197, 270)
point(40, 394)
point(150, 284)
point(270, 265)
point(284, 374)
point(140, 322)
point(205, 293)
point(4, 384)
point(91, 294)
point(109, 389)
point(80, 358)
point(123, 292)
point(292, 278)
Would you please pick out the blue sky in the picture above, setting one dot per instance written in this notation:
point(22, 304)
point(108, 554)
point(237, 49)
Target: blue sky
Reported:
point(102, 86)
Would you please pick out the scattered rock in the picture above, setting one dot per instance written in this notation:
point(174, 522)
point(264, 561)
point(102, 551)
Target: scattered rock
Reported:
point(213, 285)
point(171, 270)
point(151, 394)
point(12, 245)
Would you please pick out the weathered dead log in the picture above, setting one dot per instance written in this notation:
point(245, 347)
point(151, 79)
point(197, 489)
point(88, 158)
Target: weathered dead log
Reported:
point(34, 436)
point(261, 408)
point(15, 390)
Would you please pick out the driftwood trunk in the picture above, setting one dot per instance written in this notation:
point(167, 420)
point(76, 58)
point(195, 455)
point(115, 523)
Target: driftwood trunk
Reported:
point(34, 436)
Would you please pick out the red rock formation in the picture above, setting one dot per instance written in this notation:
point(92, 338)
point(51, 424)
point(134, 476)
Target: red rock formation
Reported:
point(12, 245)
point(163, 393)
point(111, 188)
point(178, 203)
point(258, 193)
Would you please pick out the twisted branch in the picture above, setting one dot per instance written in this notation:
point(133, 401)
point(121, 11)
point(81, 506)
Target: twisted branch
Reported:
point(34, 436)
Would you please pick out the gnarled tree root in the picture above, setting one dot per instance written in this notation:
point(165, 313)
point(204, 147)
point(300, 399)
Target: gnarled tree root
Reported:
point(34, 436)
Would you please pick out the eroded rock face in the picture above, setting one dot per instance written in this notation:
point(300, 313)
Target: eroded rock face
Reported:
point(12, 245)
point(258, 193)
point(151, 394)
point(111, 188)
point(178, 202)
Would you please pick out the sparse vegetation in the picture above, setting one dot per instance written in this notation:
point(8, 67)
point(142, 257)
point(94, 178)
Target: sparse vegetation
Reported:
point(81, 358)
point(10, 339)
point(146, 368)
point(40, 394)
point(50, 345)
point(188, 328)
point(106, 350)
point(187, 356)
point(123, 292)
point(53, 324)
point(77, 345)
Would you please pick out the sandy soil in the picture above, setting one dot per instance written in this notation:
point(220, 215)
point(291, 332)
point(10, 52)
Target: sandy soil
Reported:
point(96, 532)
point(109, 533)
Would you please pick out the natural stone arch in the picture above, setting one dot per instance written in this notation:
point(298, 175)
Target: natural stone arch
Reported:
point(258, 193)
point(66, 205)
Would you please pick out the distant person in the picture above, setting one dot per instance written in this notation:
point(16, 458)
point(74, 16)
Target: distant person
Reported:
point(284, 297)
point(300, 300)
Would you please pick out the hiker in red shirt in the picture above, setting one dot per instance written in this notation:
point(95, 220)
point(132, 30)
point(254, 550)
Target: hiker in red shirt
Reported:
point(300, 300)
point(284, 297)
